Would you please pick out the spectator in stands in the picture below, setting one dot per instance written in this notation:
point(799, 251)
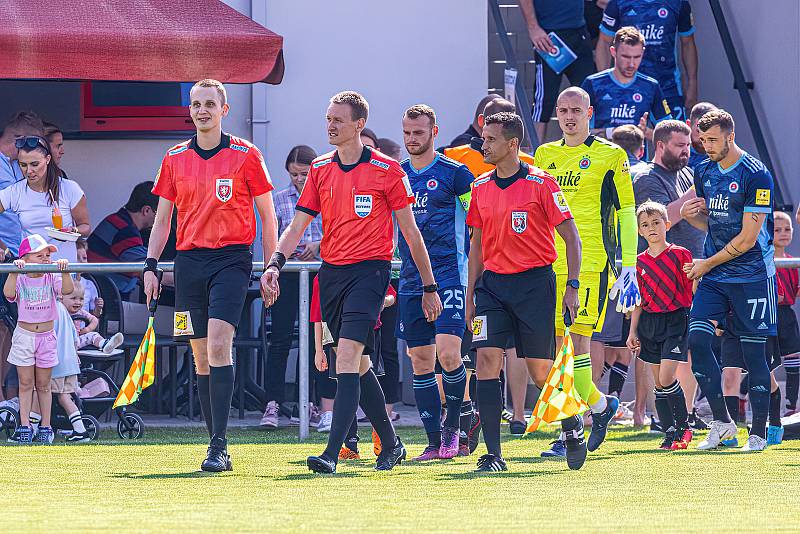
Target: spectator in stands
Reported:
point(118, 237)
point(474, 129)
point(390, 148)
point(55, 138)
point(46, 199)
point(565, 19)
point(662, 21)
point(630, 138)
point(368, 138)
point(622, 95)
point(22, 124)
point(284, 312)
point(92, 302)
point(697, 152)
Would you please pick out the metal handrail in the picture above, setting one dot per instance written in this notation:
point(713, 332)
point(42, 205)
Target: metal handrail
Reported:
point(302, 267)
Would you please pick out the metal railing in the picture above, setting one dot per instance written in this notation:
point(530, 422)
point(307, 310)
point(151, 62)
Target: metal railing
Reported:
point(302, 267)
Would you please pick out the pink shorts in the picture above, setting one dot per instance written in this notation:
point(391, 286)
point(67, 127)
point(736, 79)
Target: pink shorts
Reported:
point(33, 348)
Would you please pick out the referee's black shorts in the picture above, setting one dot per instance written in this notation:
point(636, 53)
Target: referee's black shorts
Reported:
point(520, 305)
point(546, 83)
point(351, 297)
point(210, 284)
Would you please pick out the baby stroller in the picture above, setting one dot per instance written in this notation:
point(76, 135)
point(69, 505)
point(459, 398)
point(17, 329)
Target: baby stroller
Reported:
point(129, 425)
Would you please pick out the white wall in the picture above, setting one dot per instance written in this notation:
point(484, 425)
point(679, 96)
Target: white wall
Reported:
point(395, 53)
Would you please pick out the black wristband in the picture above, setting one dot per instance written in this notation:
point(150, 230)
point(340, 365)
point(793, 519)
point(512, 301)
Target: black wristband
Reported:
point(277, 260)
point(150, 264)
point(433, 288)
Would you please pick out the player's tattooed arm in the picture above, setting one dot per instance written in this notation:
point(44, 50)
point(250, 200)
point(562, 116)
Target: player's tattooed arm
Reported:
point(745, 240)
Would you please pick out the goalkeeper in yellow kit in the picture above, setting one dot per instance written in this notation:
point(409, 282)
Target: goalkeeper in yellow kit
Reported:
point(594, 177)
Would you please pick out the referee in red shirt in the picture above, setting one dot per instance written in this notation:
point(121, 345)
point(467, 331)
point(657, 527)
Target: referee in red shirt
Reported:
point(356, 189)
point(213, 180)
point(513, 213)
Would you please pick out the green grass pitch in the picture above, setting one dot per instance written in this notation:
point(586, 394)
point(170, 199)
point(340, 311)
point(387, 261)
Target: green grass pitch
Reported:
point(153, 485)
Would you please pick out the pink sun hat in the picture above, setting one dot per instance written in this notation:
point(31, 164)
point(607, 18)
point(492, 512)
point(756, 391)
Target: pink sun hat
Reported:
point(35, 243)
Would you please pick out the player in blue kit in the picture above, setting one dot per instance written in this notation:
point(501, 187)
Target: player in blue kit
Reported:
point(441, 188)
point(661, 22)
point(734, 204)
point(623, 95)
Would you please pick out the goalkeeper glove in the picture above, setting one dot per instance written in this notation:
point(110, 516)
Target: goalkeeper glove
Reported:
point(627, 287)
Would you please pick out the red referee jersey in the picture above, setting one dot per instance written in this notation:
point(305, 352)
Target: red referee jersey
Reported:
point(213, 191)
point(787, 285)
point(517, 216)
point(356, 203)
point(662, 282)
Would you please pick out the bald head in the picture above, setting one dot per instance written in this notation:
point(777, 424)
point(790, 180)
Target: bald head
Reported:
point(498, 105)
point(572, 94)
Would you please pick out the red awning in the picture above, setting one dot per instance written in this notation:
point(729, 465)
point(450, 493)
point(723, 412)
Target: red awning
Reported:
point(135, 40)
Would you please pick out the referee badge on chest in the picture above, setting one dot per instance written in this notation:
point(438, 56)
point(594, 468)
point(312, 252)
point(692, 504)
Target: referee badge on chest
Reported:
point(224, 189)
point(519, 221)
point(362, 204)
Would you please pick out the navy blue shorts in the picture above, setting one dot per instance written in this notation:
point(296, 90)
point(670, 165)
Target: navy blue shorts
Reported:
point(752, 306)
point(677, 107)
point(417, 331)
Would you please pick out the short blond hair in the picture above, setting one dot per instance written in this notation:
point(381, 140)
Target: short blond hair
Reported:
point(782, 215)
point(216, 84)
point(651, 207)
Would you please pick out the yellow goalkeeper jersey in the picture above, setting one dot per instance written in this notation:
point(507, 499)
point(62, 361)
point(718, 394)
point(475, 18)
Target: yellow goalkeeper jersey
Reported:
point(596, 181)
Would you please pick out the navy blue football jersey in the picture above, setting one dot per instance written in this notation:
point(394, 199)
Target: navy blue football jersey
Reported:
point(616, 103)
point(661, 21)
point(745, 187)
point(441, 218)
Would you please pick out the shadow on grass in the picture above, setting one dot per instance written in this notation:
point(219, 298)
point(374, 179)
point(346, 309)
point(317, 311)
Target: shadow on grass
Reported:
point(312, 476)
point(156, 476)
point(471, 475)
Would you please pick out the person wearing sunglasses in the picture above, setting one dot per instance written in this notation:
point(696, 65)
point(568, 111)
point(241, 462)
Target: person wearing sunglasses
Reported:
point(21, 124)
point(44, 199)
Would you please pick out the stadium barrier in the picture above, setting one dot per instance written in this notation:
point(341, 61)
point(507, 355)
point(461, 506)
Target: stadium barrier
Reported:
point(302, 267)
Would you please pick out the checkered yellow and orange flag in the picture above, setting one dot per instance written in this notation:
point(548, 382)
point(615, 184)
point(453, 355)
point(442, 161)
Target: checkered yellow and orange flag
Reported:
point(559, 399)
point(142, 372)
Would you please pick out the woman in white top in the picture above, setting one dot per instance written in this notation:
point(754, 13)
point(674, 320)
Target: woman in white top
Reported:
point(44, 192)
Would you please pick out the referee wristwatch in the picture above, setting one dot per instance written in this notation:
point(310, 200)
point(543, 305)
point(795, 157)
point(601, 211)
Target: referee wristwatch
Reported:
point(574, 283)
point(433, 288)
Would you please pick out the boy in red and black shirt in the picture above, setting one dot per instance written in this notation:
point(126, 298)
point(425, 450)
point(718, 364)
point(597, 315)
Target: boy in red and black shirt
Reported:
point(788, 331)
point(659, 327)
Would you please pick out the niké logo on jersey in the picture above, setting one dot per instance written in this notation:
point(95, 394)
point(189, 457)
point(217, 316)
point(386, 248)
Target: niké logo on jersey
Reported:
point(624, 111)
point(568, 180)
point(420, 201)
point(652, 33)
point(719, 204)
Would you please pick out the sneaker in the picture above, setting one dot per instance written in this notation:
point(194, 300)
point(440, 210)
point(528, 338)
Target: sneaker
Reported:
point(270, 417)
point(376, 443)
point(346, 453)
point(754, 444)
point(730, 442)
point(655, 427)
point(600, 423)
point(321, 464)
point(112, 343)
point(449, 446)
point(217, 458)
point(474, 433)
point(790, 410)
point(392, 457)
point(77, 437)
point(517, 428)
point(669, 439)
point(44, 436)
point(463, 450)
point(682, 439)
point(23, 435)
point(575, 444)
point(696, 422)
point(557, 450)
point(313, 416)
point(774, 435)
point(624, 412)
point(506, 415)
point(431, 452)
point(325, 421)
point(489, 463)
point(718, 432)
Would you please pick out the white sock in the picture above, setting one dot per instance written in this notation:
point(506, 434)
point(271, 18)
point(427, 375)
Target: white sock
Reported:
point(600, 405)
point(77, 422)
